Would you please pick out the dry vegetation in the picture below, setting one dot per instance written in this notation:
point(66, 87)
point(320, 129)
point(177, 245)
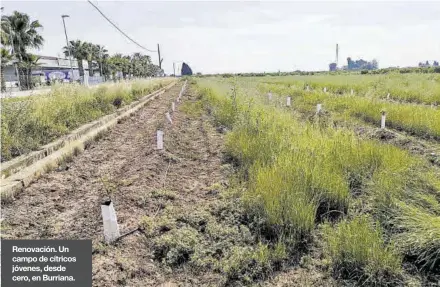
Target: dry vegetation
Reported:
point(28, 123)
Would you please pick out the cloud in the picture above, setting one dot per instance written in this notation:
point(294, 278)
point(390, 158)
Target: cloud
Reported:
point(249, 36)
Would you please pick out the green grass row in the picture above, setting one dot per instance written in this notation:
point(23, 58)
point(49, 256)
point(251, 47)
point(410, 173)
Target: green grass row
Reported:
point(415, 88)
point(28, 123)
point(303, 179)
point(415, 119)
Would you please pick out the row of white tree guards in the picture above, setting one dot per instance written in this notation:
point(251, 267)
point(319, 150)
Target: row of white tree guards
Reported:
point(111, 227)
point(160, 134)
point(319, 106)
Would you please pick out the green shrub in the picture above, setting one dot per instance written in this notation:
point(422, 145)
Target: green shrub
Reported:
point(357, 251)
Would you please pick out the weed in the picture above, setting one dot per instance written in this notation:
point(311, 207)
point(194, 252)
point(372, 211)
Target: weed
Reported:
point(295, 176)
point(48, 167)
point(110, 186)
point(192, 108)
point(76, 151)
point(358, 252)
point(419, 235)
point(164, 193)
point(100, 135)
point(157, 225)
point(176, 246)
point(31, 122)
point(249, 264)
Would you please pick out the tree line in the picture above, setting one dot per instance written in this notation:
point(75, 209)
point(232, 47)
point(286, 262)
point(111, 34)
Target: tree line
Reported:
point(427, 64)
point(98, 60)
point(19, 34)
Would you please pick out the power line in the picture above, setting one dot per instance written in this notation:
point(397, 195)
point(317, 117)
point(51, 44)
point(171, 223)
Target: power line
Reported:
point(119, 29)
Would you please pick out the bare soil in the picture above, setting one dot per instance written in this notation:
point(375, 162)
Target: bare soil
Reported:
point(181, 191)
point(125, 166)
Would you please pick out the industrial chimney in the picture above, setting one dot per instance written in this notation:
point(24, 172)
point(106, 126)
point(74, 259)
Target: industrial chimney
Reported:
point(337, 54)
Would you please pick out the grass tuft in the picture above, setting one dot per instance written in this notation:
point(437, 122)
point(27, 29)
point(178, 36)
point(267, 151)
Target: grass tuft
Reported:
point(358, 252)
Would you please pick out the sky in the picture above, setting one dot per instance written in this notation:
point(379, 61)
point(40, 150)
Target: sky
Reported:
point(239, 36)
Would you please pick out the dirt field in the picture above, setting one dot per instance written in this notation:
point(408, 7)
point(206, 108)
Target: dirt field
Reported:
point(124, 164)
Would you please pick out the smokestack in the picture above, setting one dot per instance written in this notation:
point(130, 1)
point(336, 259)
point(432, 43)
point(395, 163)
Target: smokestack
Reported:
point(337, 54)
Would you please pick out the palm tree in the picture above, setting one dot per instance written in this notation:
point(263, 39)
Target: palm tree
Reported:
point(120, 63)
point(106, 69)
point(140, 64)
point(6, 58)
point(111, 68)
point(100, 56)
point(30, 61)
point(22, 34)
point(146, 63)
point(126, 66)
point(90, 51)
point(5, 38)
point(78, 51)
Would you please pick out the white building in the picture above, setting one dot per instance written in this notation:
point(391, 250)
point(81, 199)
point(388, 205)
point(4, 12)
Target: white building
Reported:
point(48, 68)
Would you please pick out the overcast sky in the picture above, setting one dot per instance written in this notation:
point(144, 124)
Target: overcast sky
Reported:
point(237, 36)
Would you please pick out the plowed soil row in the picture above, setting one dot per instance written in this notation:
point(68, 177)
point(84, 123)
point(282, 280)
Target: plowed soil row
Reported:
point(125, 166)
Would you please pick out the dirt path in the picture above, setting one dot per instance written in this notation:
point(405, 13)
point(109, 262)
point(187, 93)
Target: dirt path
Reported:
point(65, 204)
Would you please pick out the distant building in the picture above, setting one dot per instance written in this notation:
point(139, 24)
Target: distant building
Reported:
point(361, 65)
point(186, 70)
point(427, 64)
point(48, 68)
point(333, 67)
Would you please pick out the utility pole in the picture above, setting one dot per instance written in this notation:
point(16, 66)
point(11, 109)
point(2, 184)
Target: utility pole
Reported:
point(68, 46)
point(174, 69)
point(160, 59)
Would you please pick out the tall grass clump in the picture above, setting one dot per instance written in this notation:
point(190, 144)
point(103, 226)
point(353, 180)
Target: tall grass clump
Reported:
point(32, 122)
point(223, 109)
point(358, 252)
point(301, 174)
point(417, 235)
point(417, 120)
point(414, 88)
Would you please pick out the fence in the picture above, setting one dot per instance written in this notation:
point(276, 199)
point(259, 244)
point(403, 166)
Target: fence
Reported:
point(95, 80)
point(39, 82)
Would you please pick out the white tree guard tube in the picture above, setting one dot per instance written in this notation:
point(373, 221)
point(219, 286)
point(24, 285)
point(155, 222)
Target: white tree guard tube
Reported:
point(167, 114)
point(182, 90)
point(318, 108)
point(352, 92)
point(288, 102)
point(159, 137)
point(382, 121)
point(111, 228)
point(325, 90)
point(388, 96)
point(173, 106)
